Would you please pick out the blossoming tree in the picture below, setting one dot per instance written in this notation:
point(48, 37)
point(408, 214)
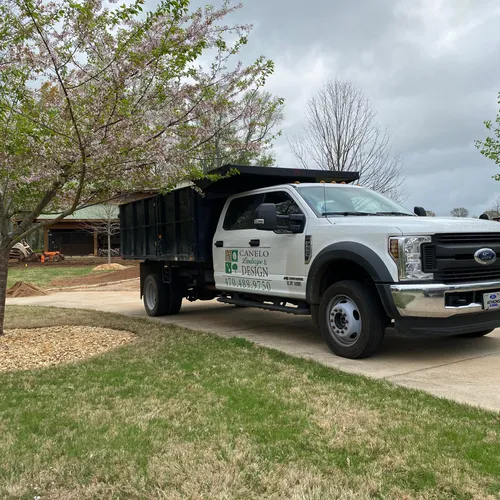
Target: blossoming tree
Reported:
point(98, 99)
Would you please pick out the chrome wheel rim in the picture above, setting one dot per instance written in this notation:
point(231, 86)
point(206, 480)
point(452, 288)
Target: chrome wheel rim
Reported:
point(150, 295)
point(344, 320)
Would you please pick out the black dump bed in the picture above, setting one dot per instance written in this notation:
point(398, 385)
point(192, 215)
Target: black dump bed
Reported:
point(179, 226)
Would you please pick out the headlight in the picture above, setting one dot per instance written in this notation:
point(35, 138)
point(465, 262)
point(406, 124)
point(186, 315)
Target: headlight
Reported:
point(407, 255)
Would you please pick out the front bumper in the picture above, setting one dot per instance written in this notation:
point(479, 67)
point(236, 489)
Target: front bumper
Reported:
point(437, 300)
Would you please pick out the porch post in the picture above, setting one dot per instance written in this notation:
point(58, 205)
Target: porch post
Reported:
point(45, 239)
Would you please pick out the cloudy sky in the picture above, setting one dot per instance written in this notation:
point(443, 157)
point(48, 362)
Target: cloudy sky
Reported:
point(430, 67)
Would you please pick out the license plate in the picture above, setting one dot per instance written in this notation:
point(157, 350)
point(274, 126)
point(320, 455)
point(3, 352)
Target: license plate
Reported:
point(491, 300)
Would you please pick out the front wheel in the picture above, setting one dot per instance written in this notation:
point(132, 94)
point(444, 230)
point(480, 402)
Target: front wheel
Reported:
point(478, 334)
point(351, 320)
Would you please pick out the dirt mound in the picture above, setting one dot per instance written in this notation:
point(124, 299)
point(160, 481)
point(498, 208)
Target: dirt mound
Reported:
point(97, 278)
point(24, 349)
point(109, 267)
point(22, 289)
point(75, 262)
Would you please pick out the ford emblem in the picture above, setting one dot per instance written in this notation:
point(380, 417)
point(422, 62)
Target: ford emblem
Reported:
point(485, 256)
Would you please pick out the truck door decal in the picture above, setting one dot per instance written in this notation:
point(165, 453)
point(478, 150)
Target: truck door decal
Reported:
point(245, 265)
point(247, 262)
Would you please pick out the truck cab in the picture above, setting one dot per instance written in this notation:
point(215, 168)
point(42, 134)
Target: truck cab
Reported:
point(313, 243)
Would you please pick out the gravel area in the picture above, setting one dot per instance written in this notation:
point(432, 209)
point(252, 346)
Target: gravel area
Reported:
point(24, 349)
point(130, 285)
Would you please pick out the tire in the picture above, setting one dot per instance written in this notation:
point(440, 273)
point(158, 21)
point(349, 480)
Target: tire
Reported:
point(477, 334)
point(175, 302)
point(315, 315)
point(363, 332)
point(56, 258)
point(154, 295)
point(158, 301)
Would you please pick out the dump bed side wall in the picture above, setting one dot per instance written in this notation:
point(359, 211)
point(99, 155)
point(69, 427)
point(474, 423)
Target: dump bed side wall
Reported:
point(163, 227)
point(176, 227)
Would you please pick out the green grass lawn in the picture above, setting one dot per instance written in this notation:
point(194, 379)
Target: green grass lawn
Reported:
point(43, 275)
point(180, 414)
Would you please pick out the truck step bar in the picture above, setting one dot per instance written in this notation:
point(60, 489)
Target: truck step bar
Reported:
point(303, 311)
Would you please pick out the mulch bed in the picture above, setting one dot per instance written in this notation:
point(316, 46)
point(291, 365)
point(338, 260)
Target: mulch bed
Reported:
point(25, 349)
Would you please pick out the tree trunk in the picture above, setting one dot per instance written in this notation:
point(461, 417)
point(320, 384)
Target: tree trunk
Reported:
point(109, 247)
point(4, 269)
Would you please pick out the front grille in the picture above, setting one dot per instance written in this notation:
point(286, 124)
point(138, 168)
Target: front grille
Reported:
point(466, 238)
point(429, 258)
point(464, 275)
point(451, 257)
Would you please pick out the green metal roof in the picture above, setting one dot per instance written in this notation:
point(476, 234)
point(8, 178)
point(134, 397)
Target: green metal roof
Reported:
point(94, 212)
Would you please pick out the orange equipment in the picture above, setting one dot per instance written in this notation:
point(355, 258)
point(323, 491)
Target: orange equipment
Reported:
point(51, 256)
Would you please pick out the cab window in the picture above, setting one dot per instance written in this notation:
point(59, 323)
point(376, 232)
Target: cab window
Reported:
point(285, 204)
point(363, 204)
point(241, 213)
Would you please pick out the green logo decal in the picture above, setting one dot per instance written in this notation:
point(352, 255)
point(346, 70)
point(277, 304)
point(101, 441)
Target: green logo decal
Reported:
point(231, 257)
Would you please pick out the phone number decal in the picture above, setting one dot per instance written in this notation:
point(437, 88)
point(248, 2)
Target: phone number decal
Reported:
point(248, 284)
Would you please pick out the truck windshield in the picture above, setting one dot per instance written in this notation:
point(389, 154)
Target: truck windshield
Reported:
point(330, 201)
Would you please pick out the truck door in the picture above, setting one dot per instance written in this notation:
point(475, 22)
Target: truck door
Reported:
point(266, 262)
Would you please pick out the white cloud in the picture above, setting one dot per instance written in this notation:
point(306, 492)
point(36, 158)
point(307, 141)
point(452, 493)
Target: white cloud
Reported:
point(297, 78)
point(430, 68)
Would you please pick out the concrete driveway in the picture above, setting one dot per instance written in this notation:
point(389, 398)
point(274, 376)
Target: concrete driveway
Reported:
point(466, 370)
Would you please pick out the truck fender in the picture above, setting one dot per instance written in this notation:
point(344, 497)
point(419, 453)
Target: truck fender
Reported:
point(149, 267)
point(358, 254)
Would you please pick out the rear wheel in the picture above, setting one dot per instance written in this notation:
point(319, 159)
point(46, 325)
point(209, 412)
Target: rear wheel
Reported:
point(154, 295)
point(159, 298)
point(478, 334)
point(351, 320)
point(175, 302)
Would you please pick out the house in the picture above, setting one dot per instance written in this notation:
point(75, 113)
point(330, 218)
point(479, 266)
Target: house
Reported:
point(75, 234)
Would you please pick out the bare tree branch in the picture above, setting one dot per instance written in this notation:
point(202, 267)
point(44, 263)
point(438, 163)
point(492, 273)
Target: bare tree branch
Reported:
point(459, 212)
point(341, 134)
point(107, 225)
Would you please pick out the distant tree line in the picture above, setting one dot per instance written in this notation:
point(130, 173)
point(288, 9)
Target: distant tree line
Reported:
point(493, 212)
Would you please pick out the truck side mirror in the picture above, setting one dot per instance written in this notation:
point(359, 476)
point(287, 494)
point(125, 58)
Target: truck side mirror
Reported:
point(420, 211)
point(296, 222)
point(265, 217)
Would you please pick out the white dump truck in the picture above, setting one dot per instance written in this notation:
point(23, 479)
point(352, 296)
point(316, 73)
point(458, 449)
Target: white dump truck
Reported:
point(311, 242)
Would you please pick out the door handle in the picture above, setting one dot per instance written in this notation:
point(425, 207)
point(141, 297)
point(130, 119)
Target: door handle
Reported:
point(254, 243)
point(219, 244)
